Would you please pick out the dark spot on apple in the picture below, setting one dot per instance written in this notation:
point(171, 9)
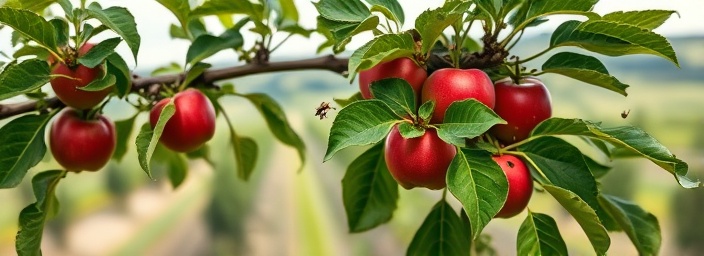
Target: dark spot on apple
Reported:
point(510, 164)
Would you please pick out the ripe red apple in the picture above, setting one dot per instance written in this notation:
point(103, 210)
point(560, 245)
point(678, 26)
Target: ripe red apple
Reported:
point(522, 105)
point(66, 86)
point(448, 85)
point(520, 185)
point(403, 68)
point(418, 162)
point(81, 145)
point(191, 126)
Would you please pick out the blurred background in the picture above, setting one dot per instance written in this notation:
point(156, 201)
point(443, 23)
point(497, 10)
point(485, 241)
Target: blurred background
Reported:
point(119, 211)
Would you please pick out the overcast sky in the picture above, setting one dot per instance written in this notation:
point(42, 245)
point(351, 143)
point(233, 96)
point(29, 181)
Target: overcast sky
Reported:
point(157, 48)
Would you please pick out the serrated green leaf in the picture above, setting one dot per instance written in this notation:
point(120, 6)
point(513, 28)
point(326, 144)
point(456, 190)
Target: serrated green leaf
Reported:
point(647, 19)
point(564, 166)
point(30, 25)
point(390, 8)
point(466, 119)
point(409, 130)
point(121, 21)
point(342, 32)
point(343, 10)
point(360, 123)
point(23, 77)
point(598, 170)
point(123, 77)
point(344, 102)
point(441, 234)
point(147, 138)
point(28, 50)
point(123, 129)
point(629, 138)
point(431, 23)
point(641, 227)
point(397, 93)
point(22, 146)
point(61, 28)
point(206, 45)
point(533, 10)
point(96, 55)
point(479, 184)
point(369, 192)
point(612, 39)
point(100, 84)
point(584, 215)
point(175, 163)
point(584, 68)
point(385, 47)
point(275, 118)
point(539, 235)
point(489, 7)
point(181, 9)
point(33, 217)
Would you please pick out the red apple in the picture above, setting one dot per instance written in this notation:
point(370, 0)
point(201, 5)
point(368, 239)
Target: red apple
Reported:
point(66, 86)
point(191, 126)
point(448, 85)
point(520, 185)
point(81, 145)
point(522, 105)
point(403, 68)
point(418, 162)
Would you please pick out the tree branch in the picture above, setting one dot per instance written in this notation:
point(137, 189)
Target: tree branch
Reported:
point(330, 63)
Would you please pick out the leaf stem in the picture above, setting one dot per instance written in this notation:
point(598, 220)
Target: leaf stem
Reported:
point(280, 43)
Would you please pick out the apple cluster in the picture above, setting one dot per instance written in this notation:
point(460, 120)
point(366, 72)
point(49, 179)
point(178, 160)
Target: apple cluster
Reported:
point(423, 161)
point(81, 139)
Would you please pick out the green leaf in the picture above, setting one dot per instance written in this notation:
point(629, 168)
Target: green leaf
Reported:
point(22, 146)
point(612, 39)
point(629, 138)
point(397, 94)
point(584, 215)
point(287, 14)
point(390, 8)
point(195, 71)
point(278, 123)
point(100, 84)
point(181, 9)
point(206, 45)
point(33, 217)
point(466, 119)
point(24, 77)
point(30, 25)
point(61, 27)
point(564, 166)
point(349, 11)
point(117, 67)
point(441, 234)
point(479, 184)
point(380, 49)
point(344, 102)
point(425, 112)
point(597, 169)
point(121, 21)
point(218, 7)
point(369, 192)
point(647, 19)
point(641, 227)
point(584, 68)
point(360, 123)
point(539, 235)
point(489, 7)
point(124, 133)
point(431, 23)
point(147, 139)
point(342, 32)
point(541, 8)
point(96, 55)
point(29, 50)
point(175, 163)
point(408, 130)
